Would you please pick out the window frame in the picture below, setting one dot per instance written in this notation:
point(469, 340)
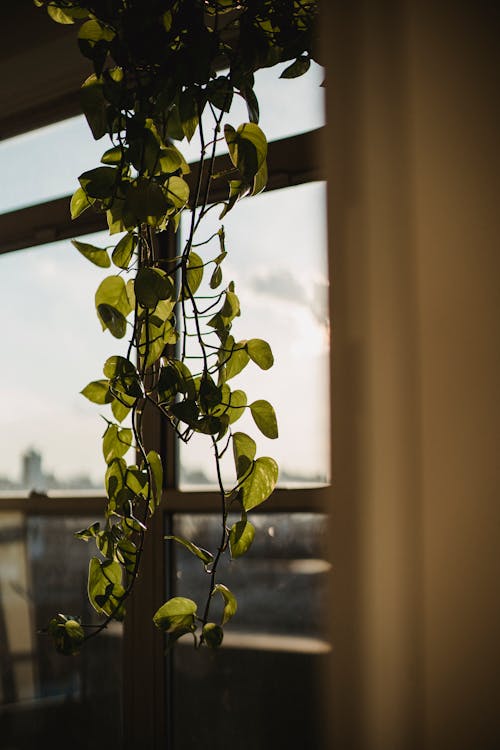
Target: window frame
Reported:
point(292, 161)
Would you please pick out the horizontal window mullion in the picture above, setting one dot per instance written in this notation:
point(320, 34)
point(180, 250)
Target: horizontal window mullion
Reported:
point(65, 505)
point(291, 161)
point(45, 223)
point(314, 499)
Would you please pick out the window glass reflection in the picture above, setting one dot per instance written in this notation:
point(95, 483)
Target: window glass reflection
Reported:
point(262, 687)
point(47, 699)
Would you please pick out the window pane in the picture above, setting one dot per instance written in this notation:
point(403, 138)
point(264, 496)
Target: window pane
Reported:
point(287, 107)
point(49, 700)
point(277, 257)
point(261, 689)
point(45, 163)
point(53, 346)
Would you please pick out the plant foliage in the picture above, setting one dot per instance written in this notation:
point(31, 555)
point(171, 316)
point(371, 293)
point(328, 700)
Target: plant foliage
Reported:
point(166, 72)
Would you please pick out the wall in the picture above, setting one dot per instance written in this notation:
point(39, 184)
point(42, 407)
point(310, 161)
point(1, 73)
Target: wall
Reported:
point(413, 165)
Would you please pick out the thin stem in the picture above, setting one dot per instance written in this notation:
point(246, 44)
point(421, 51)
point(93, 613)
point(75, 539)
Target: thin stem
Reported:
point(224, 538)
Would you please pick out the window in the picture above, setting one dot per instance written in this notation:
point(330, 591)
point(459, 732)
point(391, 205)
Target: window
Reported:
point(45, 496)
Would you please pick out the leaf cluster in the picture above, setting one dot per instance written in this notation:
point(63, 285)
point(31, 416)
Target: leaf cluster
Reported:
point(156, 70)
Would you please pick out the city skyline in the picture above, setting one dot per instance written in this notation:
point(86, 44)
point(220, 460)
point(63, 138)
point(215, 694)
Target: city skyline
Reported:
point(34, 477)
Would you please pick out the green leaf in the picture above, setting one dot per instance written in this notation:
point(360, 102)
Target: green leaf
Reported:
point(115, 477)
point(155, 463)
point(124, 250)
point(260, 180)
point(237, 404)
point(124, 378)
point(113, 305)
point(67, 633)
point(260, 482)
point(89, 533)
point(213, 634)
point(176, 616)
point(220, 93)
point(79, 203)
point(187, 411)
point(96, 255)
point(237, 360)
point(297, 68)
point(237, 190)
point(216, 278)
point(93, 31)
point(188, 109)
point(230, 310)
point(260, 352)
point(247, 148)
point(112, 319)
point(98, 392)
point(105, 587)
point(210, 425)
point(175, 378)
point(117, 220)
point(59, 16)
point(230, 603)
point(137, 480)
point(244, 450)
point(202, 554)
point(232, 403)
point(241, 537)
point(173, 126)
point(152, 285)
point(265, 418)
point(94, 106)
point(116, 442)
point(147, 202)
point(210, 393)
point(177, 191)
point(144, 152)
point(119, 409)
point(154, 338)
point(113, 156)
point(170, 159)
point(99, 182)
point(126, 555)
point(194, 274)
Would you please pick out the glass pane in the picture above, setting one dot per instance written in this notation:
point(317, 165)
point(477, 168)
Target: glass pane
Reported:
point(279, 266)
point(53, 346)
point(261, 689)
point(49, 700)
point(45, 163)
point(287, 107)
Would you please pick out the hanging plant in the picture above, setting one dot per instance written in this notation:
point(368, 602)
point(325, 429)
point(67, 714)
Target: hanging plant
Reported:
point(167, 72)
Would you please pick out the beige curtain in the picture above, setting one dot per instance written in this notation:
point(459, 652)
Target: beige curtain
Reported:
point(412, 149)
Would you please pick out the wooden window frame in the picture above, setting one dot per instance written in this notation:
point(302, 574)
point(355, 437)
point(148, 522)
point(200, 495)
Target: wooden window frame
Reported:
point(291, 161)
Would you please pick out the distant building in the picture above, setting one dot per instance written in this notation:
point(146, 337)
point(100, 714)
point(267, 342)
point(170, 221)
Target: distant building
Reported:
point(32, 474)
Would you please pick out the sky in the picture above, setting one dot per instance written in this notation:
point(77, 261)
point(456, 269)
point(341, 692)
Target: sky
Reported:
point(53, 344)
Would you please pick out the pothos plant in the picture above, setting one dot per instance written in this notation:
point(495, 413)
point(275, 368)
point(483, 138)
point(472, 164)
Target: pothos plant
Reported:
point(167, 71)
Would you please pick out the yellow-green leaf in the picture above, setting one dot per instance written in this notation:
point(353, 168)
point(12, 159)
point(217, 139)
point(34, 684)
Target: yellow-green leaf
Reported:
point(265, 418)
point(97, 255)
point(260, 482)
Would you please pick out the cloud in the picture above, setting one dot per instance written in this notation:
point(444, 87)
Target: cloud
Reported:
point(281, 284)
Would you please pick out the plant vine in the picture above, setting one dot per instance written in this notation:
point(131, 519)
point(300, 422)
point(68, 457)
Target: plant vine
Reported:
point(164, 72)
